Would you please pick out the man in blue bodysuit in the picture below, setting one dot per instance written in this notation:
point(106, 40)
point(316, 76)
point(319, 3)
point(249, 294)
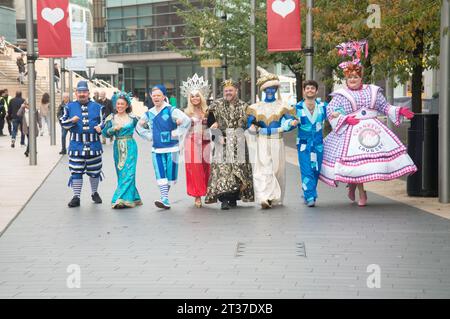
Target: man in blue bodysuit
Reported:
point(311, 113)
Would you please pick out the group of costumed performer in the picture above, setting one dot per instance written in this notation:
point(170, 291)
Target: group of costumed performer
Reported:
point(359, 149)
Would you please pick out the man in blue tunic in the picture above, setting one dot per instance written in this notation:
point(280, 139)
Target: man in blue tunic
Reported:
point(165, 126)
point(311, 113)
point(83, 119)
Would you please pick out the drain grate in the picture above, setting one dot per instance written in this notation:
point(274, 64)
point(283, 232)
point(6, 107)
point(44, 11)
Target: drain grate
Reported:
point(270, 249)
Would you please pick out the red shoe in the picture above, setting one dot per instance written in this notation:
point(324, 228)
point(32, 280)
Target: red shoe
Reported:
point(362, 199)
point(351, 192)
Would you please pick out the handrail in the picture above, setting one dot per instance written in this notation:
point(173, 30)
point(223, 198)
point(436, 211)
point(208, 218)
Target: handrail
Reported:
point(15, 47)
point(106, 83)
point(102, 83)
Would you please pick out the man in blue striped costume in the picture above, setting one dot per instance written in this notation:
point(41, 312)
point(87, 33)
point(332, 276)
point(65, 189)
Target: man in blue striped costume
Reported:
point(164, 125)
point(83, 119)
point(311, 113)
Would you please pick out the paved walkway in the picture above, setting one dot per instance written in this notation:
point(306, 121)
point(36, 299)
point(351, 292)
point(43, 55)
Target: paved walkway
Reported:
point(288, 252)
point(19, 180)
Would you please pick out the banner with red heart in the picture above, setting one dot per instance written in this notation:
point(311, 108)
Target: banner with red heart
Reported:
point(53, 22)
point(284, 25)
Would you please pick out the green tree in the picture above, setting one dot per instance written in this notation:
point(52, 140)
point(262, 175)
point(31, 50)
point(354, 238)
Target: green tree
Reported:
point(406, 43)
point(231, 37)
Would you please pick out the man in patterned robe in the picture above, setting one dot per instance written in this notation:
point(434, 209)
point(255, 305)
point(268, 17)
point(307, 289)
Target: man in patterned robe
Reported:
point(231, 172)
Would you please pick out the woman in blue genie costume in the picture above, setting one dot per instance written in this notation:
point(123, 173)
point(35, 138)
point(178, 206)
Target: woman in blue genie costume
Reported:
point(122, 125)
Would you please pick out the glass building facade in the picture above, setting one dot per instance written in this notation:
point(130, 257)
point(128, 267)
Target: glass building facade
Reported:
point(139, 77)
point(7, 19)
point(137, 32)
point(135, 26)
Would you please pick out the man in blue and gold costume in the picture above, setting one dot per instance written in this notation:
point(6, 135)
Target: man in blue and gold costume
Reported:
point(269, 119)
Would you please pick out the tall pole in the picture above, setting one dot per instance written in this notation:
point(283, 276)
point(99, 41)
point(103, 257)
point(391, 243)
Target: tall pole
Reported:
point(214, 83)
point(225, 58)
point(63, 77)
point(390, 96)
point(31, 82)
point(444, 108)
point(253, 52)
point(51, 77)
point(70, 86)
point(309, 50)
point(206, 74)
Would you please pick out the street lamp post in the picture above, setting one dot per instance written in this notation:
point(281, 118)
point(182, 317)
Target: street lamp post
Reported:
point(309, 50)
point(225, 58)
point(31, 82)
point(444, 109)
point(390, 95)
point(71, 86)
point(63, 77)
point(253, 52)
point(51, 78)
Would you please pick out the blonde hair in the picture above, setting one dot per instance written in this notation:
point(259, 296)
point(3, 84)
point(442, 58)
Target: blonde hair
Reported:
point(190, 107)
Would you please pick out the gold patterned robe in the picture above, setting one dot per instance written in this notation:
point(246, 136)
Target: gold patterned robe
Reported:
point(231, 170)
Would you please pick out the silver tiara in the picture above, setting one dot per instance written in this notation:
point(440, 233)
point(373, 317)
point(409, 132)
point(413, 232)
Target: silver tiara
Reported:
point(195, 83)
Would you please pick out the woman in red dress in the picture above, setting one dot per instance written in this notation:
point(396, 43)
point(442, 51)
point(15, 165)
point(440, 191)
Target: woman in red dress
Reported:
point(197, 142)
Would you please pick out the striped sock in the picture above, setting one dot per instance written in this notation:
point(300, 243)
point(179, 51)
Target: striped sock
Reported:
point(164, 189)
point(77, 184)
point(94, 183)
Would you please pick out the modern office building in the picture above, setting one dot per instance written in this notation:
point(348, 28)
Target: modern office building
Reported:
point(7, 18)
point(138, 32)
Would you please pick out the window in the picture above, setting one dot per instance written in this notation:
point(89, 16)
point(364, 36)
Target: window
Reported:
point(114, 13)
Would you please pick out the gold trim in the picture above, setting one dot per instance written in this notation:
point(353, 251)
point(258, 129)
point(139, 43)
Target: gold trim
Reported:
point(127, 203)
point(285, 109)
point(124, 137)
point(122, 147)
point(275, 136)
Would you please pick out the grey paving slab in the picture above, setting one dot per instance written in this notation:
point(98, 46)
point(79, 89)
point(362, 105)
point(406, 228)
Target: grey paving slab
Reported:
point(191, 253)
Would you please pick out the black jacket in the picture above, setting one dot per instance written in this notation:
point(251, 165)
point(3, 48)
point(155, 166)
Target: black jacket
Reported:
point(107, 108)
point(21, 65)
point(60, 110)
point(14, 107)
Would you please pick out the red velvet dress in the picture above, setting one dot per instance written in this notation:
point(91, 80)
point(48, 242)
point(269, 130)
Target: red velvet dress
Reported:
point(197, 158)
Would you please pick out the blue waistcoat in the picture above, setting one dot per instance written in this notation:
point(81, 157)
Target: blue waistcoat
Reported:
point(84, 140)
point(162, 128)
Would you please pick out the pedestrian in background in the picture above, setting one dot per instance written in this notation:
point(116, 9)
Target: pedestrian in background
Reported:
point(96, 96)
point(3, 112)
point(6, 100)
point(60, 113)
point(24, 113)
point(57, 76)
point(107, 109)
point(43, 110)
point(21, 66)
point(16, 120)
